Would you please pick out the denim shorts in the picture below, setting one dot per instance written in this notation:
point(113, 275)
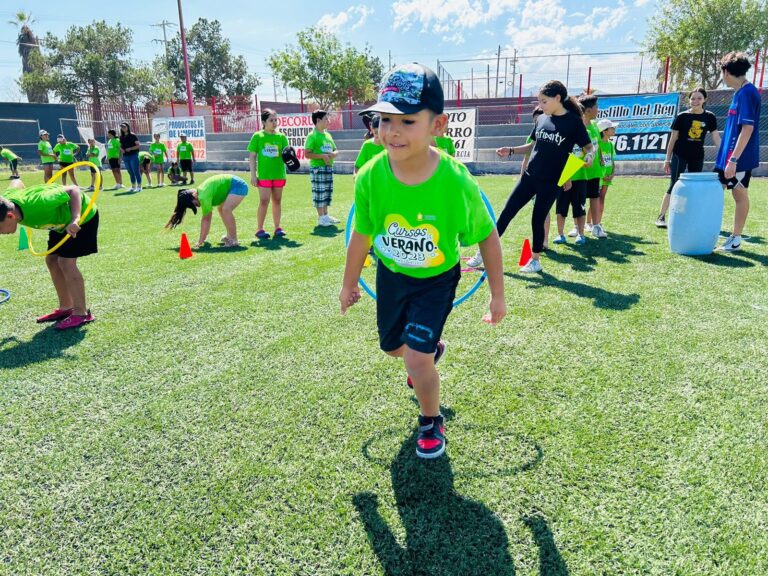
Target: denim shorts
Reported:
point(238, 187)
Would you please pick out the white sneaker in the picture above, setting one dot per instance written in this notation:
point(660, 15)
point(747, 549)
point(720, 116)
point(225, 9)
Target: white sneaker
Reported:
point(559, 239)
point(580, 240)
point(598, 232)
point(332, 220)
point(138, 188)
point(533, 266)
point(731, 244)
point(89, 189)
point(323, 221)
point(118, 186)
point(476, 261)
point(161, 185)
point(587, 227)
point(573, 233)
point(661, 222)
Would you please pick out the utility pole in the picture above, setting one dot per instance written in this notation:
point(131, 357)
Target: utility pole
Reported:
point(390, 60)
point(498, 61)
point(190, 103)
point(164, 24)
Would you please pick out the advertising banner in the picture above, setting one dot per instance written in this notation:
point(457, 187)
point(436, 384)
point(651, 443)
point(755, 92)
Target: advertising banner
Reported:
point(171, 129)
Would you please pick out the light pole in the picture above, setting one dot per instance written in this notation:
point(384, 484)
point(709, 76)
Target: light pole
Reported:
point(190, 104)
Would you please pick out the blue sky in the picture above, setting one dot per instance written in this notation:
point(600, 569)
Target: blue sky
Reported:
point(411, 30)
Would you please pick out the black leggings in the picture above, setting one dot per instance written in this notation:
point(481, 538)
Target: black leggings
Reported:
point(545, 192)
point(678, 165)
point(576, 198)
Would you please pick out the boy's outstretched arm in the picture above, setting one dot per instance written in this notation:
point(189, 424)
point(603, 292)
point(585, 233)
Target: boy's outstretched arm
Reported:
point(490, 248)
point(359, 244)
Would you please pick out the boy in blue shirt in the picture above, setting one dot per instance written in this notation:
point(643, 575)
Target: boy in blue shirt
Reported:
point(416, 205)
point(739, 151)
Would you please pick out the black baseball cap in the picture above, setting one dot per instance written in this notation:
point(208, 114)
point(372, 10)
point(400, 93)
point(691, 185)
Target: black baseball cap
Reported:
point(408, 89)
point(290, 159)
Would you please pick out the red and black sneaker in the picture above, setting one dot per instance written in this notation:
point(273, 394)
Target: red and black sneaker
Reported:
point(438, 354)
point(56, 315)
point(431, 441)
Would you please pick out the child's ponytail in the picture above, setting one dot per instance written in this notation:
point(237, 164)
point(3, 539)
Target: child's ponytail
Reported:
point(556, 88)
point(184, 200)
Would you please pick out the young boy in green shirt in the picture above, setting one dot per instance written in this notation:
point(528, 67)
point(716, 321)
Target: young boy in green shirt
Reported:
point(159, 153)
point(13, 161)
point(370, 147)
point(608, 157)
point(185, 152)
point(93, 154)
point(416, 205)
point(66, 153)
point(113, 158)
point(321, 150)
point(56, 208)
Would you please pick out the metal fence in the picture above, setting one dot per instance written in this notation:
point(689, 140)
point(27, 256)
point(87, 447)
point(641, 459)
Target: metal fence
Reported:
point(21, 138)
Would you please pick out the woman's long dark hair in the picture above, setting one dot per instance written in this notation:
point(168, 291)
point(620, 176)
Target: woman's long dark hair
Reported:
point(184, 201)
point(556, 88)
point(127, 127)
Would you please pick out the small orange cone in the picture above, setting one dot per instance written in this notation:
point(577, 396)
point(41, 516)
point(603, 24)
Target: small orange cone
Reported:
point(184, 250)
point(525, 255)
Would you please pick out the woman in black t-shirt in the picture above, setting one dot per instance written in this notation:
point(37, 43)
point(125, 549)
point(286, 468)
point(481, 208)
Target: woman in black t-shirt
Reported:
point(129, 146)
point(554, 135)
point(686, 144)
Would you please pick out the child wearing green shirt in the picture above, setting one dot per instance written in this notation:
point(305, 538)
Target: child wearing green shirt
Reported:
point(13, 161)
point(224, 191)
point(66, 153)
point(185, 153)
point(265, 158)
point(608, 156)
point(321, 150)
point(159, 153)
point(93, 154)
point(145, 161)
point(45, 151)
point(416, 205)
point(113, 158)
point(370, 147)
point(56, 208)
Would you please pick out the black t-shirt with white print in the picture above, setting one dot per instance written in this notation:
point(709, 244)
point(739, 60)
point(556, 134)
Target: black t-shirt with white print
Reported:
point(554, 138)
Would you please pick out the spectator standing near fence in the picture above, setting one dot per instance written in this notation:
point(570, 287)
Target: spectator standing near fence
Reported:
point(129, 148)
point(685, 150)
point(739, 151)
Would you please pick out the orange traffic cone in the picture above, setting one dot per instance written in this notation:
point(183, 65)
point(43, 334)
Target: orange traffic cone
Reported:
point(525, 255)
point(184, 250)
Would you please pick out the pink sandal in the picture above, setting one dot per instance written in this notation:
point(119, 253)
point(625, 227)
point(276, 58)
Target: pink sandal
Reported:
point(58, 314)
point(74, 321)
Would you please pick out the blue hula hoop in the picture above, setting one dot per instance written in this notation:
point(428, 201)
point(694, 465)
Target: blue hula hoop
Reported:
point(457, 301)
point(5, 295)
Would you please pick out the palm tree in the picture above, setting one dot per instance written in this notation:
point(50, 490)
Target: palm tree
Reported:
point(29, 50)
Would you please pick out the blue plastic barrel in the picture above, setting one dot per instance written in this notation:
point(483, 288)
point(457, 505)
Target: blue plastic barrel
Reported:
point(695, 213)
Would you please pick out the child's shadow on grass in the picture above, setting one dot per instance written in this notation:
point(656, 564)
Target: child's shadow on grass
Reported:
point(740, 259)
point(600, 298)
point(276, 244)
point(211, 249)
point(446, 533)
point(327, 231)
point(47, 344)
point(551, 563)
point(128, 192)
point(615, 248)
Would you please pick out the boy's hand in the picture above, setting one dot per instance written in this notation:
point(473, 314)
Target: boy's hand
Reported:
point(567, 186)
point(348, 297)
point(503, 152)
point(498, 309)
point(73, 228)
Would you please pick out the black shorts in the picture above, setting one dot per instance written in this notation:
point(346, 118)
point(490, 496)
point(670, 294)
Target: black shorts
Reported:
point(146, 163)
point(413, 311)
point(593, 188)
point(65, 164)
point(14, 163)
point(186, 165)
point(81, 245)
point(742, 178)
point(93, 170)
point(114, 163)
point(576, 198)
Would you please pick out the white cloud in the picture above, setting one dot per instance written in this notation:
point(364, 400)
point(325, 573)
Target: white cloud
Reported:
point(354, 17)
point(639, 3)
point(445, 16)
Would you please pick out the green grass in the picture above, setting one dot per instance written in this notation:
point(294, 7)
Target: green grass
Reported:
point(221, 417)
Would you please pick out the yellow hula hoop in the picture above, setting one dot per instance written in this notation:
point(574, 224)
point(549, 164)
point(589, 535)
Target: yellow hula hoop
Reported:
point(91, 204)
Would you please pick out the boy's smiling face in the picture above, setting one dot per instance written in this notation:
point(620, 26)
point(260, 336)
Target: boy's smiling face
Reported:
point(407, 135)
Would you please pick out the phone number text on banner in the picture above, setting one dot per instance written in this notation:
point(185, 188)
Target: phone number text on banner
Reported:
point(644, 124)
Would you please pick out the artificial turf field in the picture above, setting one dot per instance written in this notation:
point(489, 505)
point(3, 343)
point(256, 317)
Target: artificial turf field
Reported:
point(221, 417)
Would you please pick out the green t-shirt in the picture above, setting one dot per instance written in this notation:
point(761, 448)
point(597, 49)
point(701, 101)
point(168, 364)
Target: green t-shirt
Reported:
point(368, 150)
point(158, 150)
point(44, 146)
point(213, 192)
point(66, 151)
point(8, 155)
point(608, 155)
point(596, 170)
point(269, 154)
point(417, 230)
point(113, 148)
point(144, 156)
point(319, 143)
point(184, 150)
point(445, 143)
point(46, 206)
point(94, 155)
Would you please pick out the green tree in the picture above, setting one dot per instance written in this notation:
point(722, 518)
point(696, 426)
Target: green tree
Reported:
point(695, 34)
point(214, 71)
point(32, 61)
point(325, 69)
